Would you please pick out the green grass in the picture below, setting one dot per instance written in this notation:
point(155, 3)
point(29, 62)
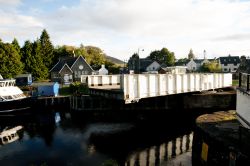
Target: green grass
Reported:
point(235, 82)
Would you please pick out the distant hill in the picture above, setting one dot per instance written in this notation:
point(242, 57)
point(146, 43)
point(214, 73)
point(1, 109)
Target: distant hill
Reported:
point(114, 60)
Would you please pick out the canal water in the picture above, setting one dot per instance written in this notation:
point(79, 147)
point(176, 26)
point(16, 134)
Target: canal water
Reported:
point(66, 138)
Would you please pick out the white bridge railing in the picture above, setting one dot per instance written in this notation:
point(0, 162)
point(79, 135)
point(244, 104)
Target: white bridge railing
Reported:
point(137, 86)
point(101, 80)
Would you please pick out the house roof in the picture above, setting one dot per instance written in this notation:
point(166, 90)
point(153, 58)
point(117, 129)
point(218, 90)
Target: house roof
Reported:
point(229, 60)
point(62, 61)
point(182, 63)
point(144, 63)
point(69, 61)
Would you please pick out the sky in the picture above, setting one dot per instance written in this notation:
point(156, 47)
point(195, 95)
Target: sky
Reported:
point(123, 27)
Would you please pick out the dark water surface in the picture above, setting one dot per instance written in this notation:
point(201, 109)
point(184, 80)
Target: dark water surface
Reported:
point(63, 138)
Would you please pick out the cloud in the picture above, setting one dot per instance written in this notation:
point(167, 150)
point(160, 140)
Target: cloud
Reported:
point(235, 37)
point(10, 3)
point(121, 27)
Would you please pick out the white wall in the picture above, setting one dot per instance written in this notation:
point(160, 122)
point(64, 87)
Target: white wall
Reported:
point(153, 66)
point(191, 65)
point(232, 67)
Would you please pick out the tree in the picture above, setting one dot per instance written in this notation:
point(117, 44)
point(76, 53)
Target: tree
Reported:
point(170, 58)
point(10, 61)
point(96, 56)
point(212, 66)
point(39, 69)
point(31, 55)
point(157, 56)
point(46, 49)
point(26, 58)
point(16, 45)
point(134, 63)
point(163, 56)
point(191, 54)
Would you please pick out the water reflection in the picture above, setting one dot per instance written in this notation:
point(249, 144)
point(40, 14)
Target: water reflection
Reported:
point(63, 138)
point(9, 135)
point(157, 155)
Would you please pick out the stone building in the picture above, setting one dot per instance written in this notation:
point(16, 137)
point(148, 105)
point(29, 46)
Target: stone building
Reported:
point(69, 69)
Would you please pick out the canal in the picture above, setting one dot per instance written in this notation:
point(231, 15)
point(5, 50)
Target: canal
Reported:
point(53, 137)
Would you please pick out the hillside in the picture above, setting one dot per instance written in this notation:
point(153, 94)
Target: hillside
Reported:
point(114, 60)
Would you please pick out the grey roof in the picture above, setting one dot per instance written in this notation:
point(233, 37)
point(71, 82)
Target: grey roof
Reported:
point(198, 60)
point(144, 63)
point(229, 60)
point(62, 61)
point(181, 63)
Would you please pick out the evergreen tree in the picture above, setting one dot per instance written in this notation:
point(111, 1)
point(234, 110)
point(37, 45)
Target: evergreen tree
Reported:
point(134, 63)
point(27, 58)
point(31, 55)
point(39, 69)
point(16, 45)
point(191, 54)
point(46, 49)
point(10, 61)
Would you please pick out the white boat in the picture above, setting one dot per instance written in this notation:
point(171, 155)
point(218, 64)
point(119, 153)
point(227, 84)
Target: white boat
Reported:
point(9, 135)
point(243, 100)
point(12, 97)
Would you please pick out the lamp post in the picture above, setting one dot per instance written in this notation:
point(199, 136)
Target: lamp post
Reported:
point(139, 59)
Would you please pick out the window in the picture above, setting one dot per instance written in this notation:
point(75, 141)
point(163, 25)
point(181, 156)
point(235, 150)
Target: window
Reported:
point(225, 69)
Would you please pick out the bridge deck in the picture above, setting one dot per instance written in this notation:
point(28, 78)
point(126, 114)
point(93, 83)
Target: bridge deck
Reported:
point(132, 87)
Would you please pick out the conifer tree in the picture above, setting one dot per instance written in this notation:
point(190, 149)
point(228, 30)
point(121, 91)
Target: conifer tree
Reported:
point(31, 55)
point(27, 58)
point(39, 69)
point(16, 45)
point(46, 49)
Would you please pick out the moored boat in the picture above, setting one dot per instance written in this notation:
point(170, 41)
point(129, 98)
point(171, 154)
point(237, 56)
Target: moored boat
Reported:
point(9, 135)
point(12, 98)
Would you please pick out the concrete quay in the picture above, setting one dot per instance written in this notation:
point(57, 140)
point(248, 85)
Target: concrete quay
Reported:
point(219, 139)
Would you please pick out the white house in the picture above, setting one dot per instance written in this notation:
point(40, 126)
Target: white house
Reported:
point(192, 65)
point(103, 70)
point(154, 66)
point(229, 63)
point(195, 64)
